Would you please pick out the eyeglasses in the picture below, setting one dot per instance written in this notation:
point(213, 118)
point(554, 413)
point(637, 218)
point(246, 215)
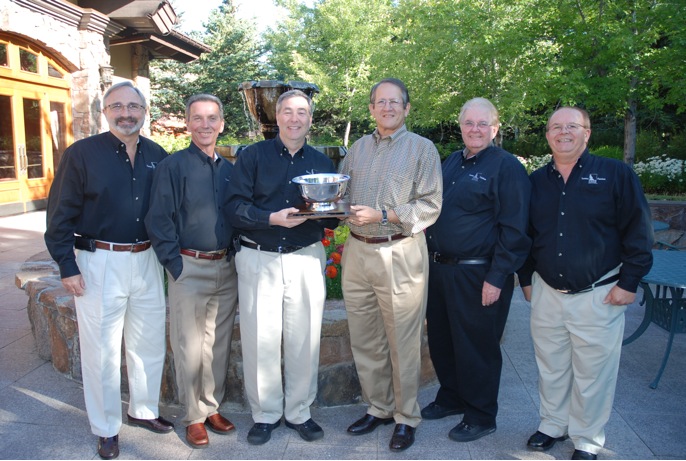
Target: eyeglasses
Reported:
point(393, 103)
point(118, 107)
point(480, 126)
point(569, 127)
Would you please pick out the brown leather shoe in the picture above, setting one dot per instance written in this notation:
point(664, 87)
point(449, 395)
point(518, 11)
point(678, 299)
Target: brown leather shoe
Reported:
point(108, 447)
point(196, 435)
point(217, 423)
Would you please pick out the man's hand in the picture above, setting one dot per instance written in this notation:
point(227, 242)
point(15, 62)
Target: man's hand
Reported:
point(489, 294)
point(619, 297)
point(280, 218)
point(74, 284)
point(527, 292)
point(363, 215)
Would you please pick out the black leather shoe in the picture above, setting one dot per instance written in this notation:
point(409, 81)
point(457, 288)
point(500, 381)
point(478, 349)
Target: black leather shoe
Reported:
point(367, 424)
point(580, 454)
point(309, 430)
point(436, 411)
point(261, 432)
point(403, 437)
point(465, 432)
point(108, 447)
point(542, 442)
point(159, 425)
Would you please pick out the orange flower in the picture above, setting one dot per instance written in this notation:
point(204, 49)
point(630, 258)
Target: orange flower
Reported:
point(326, 242)
point(335, 257)
point(331, 272)
point(328, 232)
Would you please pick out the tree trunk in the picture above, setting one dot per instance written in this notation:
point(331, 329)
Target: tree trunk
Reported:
point(346, 136)
point(630, 133)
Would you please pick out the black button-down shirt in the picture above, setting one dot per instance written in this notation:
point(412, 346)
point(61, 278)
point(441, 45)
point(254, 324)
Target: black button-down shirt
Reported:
point(587, 226)
point(485, 211)
point(188, 206)
point(97, 193)
point(261, 184)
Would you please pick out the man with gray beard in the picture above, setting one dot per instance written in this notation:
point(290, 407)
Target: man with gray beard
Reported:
point(96, 206)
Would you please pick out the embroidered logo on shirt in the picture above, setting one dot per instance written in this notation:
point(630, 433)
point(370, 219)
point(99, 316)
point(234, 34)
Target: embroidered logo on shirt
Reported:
point(477, 177)
point(593, 178)
point(312, 171)
point(152, 165)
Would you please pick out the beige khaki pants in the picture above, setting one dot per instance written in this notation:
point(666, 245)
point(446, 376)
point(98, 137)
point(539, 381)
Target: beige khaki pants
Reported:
point(202, 305)
point(578, 343)
point(282, 298)
point(384, 286)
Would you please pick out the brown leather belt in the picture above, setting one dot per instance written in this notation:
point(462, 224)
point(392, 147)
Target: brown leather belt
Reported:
point(132, 247)
point(212, 256)
point(383, 239)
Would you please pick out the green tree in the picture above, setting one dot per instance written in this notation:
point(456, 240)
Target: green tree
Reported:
point(236, 56)
point(332, 44)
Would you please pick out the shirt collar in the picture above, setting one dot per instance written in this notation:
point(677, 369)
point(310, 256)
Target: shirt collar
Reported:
point(282, 149)
point(393, 136)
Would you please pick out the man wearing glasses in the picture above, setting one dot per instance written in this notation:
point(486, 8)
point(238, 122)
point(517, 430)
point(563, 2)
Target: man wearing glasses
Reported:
point(592, 238)
point(97, 205)
point(395, 191)
point(475, 247)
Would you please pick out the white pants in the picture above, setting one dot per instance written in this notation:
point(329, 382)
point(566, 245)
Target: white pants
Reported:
point(578, 343)
point(124, 293)
point(281, 296)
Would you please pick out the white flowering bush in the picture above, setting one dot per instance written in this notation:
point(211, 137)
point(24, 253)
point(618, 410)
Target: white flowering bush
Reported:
point(662, 175)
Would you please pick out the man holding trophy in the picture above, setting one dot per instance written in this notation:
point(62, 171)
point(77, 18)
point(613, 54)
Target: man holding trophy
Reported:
point(280, 268)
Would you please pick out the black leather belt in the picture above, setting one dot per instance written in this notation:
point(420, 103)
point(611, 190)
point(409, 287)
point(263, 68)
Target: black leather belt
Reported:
point(443, 259)
point(610, 279)
point(280, 249)
point(382, 239)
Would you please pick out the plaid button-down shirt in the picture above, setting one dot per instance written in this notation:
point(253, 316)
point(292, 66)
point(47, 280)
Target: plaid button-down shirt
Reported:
point(400, 172)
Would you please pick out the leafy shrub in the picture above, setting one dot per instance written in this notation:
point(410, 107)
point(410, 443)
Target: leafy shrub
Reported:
point(609, 152)
point(662, 175)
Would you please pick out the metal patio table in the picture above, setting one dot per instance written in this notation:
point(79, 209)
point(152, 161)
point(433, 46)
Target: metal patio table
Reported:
point(663, 291)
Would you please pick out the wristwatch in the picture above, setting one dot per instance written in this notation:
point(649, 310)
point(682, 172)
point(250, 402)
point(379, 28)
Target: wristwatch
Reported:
point(384, 217)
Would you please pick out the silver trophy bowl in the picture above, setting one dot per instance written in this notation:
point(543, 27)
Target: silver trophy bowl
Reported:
point(321, 191)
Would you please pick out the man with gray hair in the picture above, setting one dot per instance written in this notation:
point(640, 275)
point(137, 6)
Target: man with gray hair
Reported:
point(475, 246)
point(191, 234)
point(280, 272)
point(97, 204)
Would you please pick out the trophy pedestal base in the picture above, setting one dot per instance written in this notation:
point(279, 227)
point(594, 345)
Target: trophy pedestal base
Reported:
point(341, 209)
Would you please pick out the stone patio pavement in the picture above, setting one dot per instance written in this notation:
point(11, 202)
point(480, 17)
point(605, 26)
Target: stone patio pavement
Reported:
point(42, 414)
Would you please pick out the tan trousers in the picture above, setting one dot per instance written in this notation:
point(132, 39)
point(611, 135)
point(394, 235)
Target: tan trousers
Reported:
point(578, 343)
point(202, 304)
point(282, 297)
point(385, 291)
point(124, 293)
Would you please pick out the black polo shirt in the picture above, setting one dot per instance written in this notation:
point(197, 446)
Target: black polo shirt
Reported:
point(188, 206)
point(261, 184)
point(587, 226)
point(485, 211)
point(97, 193)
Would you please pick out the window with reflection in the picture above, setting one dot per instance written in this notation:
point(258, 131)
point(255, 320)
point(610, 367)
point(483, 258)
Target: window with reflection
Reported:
point(58, 131)
point(8, 170)
point(53, 72)
point(34, 152)
point(28, 61)
point(3, 55)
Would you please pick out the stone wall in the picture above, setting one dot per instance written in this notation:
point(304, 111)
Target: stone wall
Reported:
point(53, 320)
point(674, 214)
